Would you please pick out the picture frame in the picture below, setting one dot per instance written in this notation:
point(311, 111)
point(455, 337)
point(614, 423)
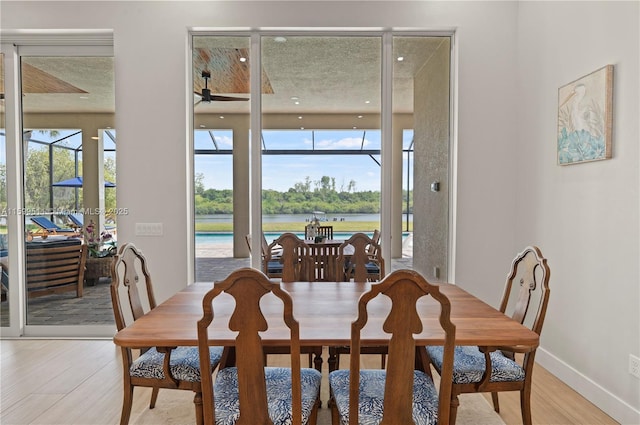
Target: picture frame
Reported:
point(585, 118)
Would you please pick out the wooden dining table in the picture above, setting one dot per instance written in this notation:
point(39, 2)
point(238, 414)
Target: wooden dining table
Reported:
point(325, 311)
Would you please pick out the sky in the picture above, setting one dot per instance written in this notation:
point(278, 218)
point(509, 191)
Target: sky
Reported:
point(281, 172)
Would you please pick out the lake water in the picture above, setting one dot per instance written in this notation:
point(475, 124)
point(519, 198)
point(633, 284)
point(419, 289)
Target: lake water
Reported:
point(302, 218)
point(208, 238)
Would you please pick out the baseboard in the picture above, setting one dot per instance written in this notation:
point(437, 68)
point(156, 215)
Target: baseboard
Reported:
point(606, 401)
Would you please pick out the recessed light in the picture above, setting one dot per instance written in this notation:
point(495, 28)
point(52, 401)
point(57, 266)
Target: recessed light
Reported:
point(301, 128)
point(294, 98)
point(296, 102)
point(279, 39)
point(359, 116)
point(400, 58)
point(300, 117)
point(354, 127)
point(221, 117)
point(94, 137)
point(367, 101)
point(202, 126)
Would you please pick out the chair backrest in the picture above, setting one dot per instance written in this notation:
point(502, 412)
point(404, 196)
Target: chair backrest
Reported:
point(131, 286)
point(76, 220)
point(353, 258)
point(529, 271)
point(404, 288)
point(296, 259)
point(247, 286)
point(326, 231)
point(45, 223)
point(371, 249)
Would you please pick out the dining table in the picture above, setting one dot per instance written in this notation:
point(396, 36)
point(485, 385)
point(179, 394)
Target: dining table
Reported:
point(324, 311)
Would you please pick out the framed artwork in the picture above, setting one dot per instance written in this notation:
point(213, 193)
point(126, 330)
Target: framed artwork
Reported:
point(585, 118)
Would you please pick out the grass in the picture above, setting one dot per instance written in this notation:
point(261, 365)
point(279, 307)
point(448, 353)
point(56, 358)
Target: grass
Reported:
point(338, 226)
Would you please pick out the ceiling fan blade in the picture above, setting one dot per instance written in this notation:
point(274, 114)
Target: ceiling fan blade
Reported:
point(227, 98)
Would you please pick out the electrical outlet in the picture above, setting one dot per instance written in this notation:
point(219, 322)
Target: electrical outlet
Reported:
point(634, 365)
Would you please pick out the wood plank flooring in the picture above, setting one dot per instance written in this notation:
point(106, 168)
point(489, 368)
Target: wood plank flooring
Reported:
point(46, 381)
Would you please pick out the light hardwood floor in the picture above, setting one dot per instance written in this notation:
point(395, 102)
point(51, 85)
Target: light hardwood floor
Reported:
point(79, 382)
point(552, 403)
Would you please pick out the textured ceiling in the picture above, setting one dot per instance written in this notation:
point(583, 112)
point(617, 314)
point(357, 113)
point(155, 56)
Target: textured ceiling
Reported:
point(323, 74)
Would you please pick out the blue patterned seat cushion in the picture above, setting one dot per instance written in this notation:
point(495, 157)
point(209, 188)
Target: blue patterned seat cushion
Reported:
point(468, 365)
point(184, 365)
point(227, 409)
point(425, 396)
point(274, 267)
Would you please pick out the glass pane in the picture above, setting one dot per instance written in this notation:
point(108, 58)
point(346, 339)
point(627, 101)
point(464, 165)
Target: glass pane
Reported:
point(221, 77)
point(62, 151)
point(421, 108)
point(322, 119)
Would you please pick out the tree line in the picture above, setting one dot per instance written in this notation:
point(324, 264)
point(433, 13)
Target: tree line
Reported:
point(301, 198)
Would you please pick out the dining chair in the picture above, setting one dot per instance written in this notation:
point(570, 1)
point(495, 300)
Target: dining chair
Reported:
point(359, 258)
point(295, 257)
point(477, 369)
point(168, 367)
point(272, 266)
point(355, 262)
point(358, 395)
point(296, 266)
point(250, 393)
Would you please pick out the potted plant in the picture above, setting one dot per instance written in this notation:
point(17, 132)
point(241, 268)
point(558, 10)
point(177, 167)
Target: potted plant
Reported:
point(101, 248)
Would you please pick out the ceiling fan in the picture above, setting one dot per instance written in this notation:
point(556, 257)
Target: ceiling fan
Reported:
point(206, 95)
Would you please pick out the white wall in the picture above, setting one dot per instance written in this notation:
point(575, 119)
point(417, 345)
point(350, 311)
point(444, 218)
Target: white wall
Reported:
point(584, 217)
point(506, 168)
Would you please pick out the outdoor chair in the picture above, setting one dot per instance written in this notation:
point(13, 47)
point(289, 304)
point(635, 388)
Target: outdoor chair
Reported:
point(296, 260)
point(50, 227)
point(272, 267)
point(177, 368)
point(359, 258)
point(400, 394)
point(324, 231)
point(262, 395)
point(77, 221)
point(477, 370)
point(55, 266)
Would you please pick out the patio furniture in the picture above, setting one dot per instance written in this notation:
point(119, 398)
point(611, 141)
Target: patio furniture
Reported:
point(77, 221)
point(45, 224)
point(54, 266)
point(323, 231)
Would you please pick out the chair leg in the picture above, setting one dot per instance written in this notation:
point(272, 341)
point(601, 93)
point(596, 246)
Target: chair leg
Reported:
point(317, 361)
point(197, 401)
point(126, 405)
point(154, 397)
point(496, 405)
point(334, 360)
point(453, 409)
point(525, 405)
